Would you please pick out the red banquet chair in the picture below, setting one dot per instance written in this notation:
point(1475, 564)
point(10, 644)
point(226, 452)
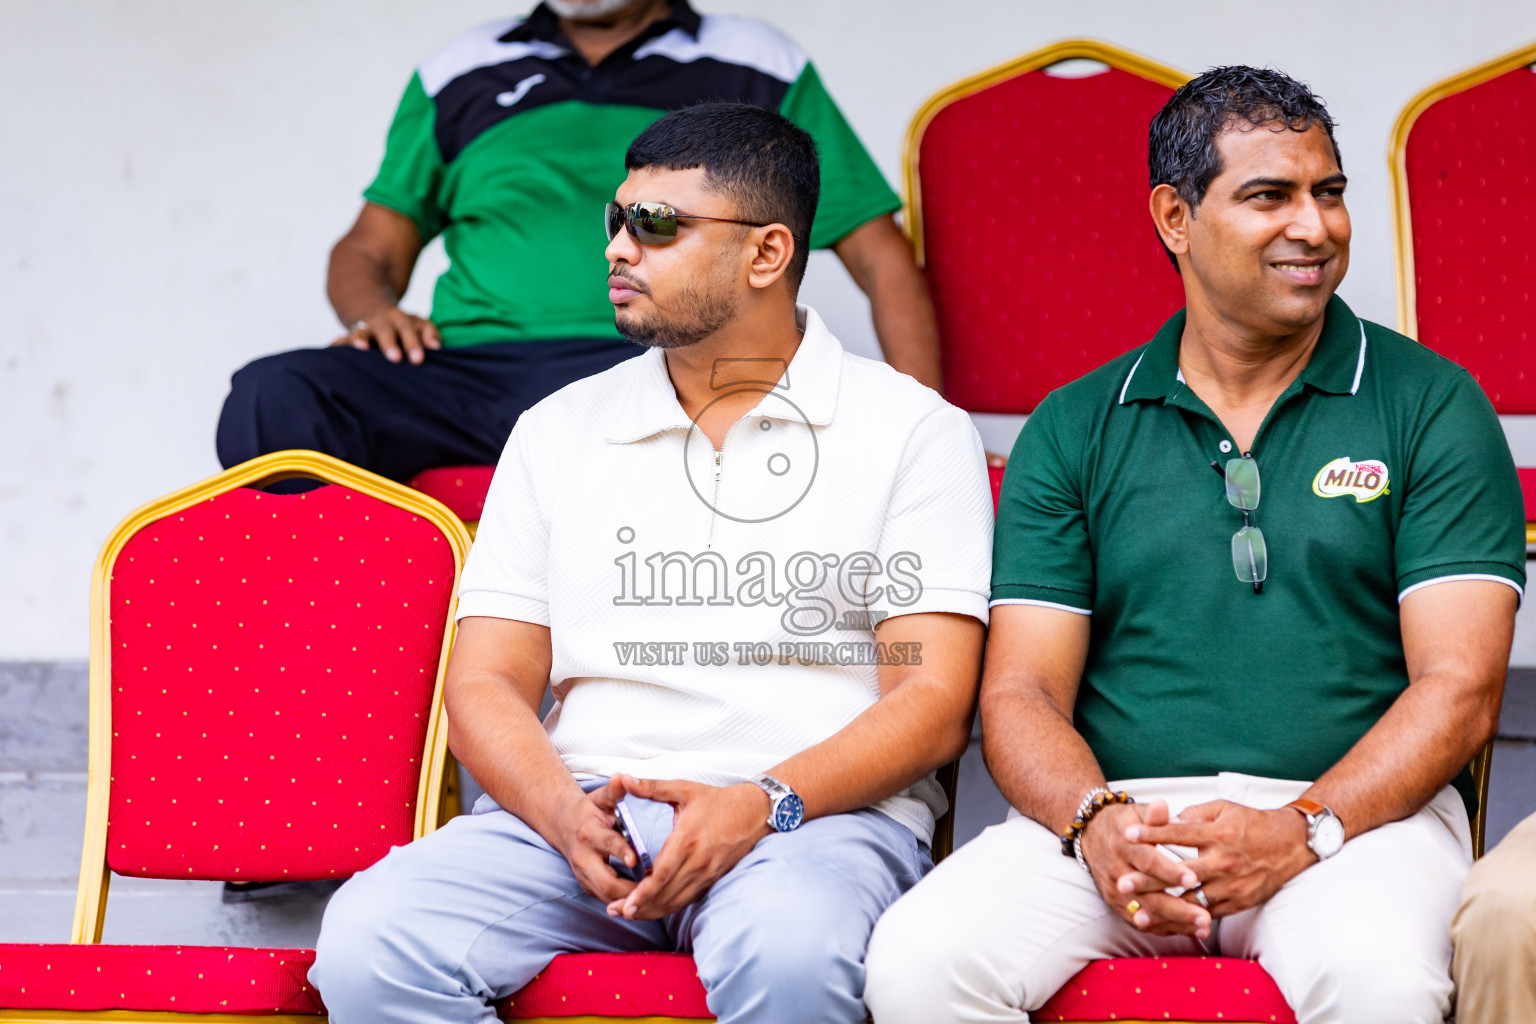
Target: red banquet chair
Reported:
point(1026, 201)
point(266, 705)
point(1464, 211)
point(1463, 166)
point(1026, 192)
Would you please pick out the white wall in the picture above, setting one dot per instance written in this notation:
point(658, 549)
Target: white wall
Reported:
point(173, 172)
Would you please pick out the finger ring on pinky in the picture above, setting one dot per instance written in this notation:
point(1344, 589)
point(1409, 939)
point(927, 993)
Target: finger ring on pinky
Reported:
point(357, 325)
point(1200, 897)
point(1132, 907)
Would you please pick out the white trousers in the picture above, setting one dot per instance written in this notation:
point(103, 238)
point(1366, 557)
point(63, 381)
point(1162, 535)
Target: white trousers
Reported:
point(1004, 922)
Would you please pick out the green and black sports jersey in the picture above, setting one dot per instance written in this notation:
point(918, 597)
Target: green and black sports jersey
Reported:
point(509, 145)
point(1383, 470)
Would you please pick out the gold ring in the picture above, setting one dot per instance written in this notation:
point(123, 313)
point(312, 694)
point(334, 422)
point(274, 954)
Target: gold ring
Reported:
point(1132, 907)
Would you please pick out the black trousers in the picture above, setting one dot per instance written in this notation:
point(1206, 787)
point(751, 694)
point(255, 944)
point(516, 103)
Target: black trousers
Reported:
point(395, 419)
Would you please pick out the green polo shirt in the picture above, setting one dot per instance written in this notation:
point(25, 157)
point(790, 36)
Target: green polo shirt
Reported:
point(1383, 469)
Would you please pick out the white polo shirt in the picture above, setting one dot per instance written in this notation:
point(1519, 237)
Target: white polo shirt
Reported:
point(710, 612)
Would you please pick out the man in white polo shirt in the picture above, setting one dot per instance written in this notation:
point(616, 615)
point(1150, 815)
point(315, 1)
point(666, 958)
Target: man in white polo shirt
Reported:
point(755, 570)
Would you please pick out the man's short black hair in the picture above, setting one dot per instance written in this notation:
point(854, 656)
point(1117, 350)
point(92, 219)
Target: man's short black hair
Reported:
point(1181, 143)
point(758, 158)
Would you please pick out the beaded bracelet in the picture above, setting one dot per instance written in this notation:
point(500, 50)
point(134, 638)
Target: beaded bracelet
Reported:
point(1079, 822)
point(1097, 799)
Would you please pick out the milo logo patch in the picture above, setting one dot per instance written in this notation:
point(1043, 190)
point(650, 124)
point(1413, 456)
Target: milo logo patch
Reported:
point(1366, 480)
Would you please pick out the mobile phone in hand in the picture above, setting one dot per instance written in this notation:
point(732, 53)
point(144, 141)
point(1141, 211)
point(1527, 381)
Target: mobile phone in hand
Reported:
point(1172, 854)
point(624, 824)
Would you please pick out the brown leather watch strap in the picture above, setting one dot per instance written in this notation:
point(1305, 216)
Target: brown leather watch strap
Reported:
point(1307, 807)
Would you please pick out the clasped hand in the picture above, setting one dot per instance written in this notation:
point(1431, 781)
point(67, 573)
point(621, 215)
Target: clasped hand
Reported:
point(713, 828)
point(1245, 856)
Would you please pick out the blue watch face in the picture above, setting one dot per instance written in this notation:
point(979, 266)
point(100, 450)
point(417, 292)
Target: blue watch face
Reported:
point(788, 813)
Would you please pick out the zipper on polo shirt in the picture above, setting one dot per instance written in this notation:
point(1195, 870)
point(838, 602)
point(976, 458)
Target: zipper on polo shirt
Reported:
point(715, 504)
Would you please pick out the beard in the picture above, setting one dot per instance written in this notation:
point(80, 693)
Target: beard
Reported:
point(584, 10)
point(707, 307)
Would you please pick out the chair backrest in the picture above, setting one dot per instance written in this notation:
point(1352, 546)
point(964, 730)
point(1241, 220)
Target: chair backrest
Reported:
point(461, 488)
point(266, 678)
point(1463, 162)
point(1026, 192)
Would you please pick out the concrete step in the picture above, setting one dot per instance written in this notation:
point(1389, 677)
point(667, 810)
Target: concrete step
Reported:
point(42, 824)
point(1517, 715)
point(43, 715)
point(1511, 788)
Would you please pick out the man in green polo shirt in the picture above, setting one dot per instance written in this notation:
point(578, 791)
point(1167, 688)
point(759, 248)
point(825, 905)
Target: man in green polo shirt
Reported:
point(1262, 573)
point(508, 143)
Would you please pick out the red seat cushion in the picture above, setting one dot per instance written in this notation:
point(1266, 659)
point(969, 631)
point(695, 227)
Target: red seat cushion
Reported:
point(175, 979)
point(461, 488)
point(995, 475)
point(612, 985)
point(1178, 988)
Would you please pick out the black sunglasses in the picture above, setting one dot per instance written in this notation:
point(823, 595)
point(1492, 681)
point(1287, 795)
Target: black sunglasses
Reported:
point(655, 223)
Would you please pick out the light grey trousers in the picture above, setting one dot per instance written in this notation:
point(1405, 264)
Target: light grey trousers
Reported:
point(439, 929)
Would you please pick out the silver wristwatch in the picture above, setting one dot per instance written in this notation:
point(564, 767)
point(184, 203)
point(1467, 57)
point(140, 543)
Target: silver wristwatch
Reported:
point(1325, 832)
point(785, 808)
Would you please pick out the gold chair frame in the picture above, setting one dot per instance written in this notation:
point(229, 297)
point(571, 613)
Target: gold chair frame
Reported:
point(1482, 771)
point(1407, 290)
point(95, 877)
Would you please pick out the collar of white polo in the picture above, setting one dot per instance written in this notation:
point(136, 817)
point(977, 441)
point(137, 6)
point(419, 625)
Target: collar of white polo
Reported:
point(809, 383)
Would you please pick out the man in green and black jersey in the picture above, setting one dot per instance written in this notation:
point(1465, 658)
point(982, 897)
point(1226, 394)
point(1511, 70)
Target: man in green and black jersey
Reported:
point(508, 142)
